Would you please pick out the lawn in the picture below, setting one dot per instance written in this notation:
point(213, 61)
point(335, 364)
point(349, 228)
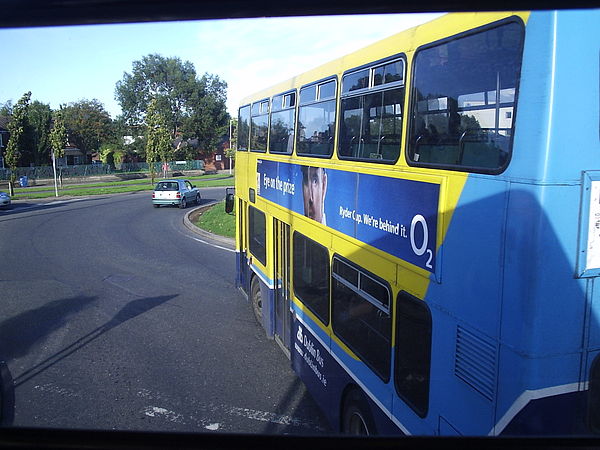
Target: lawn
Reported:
point(217, 221)
point(115, 187)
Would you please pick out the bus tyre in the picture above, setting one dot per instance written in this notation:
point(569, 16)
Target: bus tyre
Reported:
point(256, 299)
point(356, 417)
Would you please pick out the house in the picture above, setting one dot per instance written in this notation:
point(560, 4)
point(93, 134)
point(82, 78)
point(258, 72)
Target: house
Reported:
point(73, 157)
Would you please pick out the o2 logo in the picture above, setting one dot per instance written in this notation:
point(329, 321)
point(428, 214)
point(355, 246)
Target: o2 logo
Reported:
point(422, 249)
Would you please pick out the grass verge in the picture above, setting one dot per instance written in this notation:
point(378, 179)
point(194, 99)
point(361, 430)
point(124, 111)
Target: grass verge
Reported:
point(217, 221)
point(114, 187)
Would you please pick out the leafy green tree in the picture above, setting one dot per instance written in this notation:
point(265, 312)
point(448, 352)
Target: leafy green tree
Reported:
point(58, 134)
point(158, 138)
point(58, 141)
point(88, 125)
point(6, 108)
point(169, 82)
point(193, 108)
point(39, 117)
point(16, 128)
point(208, 120)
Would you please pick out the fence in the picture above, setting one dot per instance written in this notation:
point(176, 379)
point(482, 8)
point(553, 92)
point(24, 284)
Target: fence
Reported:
point(81, 171)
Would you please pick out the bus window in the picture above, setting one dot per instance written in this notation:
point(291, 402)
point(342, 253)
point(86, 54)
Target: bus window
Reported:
point(463, 100)
point(361, 315)
point(311, 275)
point(243, 128)
point(371, 113)
point(259, 126)
point(413, 352)
point(283, 116)
point(316, 119)
point(257, 234)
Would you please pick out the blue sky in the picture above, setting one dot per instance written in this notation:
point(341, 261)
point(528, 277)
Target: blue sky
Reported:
point(65, 64)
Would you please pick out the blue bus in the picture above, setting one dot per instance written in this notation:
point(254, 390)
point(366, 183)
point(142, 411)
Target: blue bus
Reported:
point(418, 226)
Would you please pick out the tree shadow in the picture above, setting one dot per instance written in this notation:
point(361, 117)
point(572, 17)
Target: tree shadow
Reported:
point(129, 311)
point(21, 332)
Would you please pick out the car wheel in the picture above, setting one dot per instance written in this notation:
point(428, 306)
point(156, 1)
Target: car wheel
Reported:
point(198, 198)
point(183, 203)
point(156, 206)
point(356, 418)
point(256, 299)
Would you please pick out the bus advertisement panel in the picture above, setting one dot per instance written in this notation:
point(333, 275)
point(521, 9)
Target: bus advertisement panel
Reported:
point(403, 224)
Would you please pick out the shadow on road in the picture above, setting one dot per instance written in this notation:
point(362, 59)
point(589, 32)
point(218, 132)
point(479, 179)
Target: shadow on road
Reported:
point(18, 334)
point(21, 332)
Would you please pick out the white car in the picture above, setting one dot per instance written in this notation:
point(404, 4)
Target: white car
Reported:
point(175, 192)
point(4, 200)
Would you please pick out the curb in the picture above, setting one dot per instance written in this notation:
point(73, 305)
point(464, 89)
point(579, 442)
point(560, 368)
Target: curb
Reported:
point(229, 242)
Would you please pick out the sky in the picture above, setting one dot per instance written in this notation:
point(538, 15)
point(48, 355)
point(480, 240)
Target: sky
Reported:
point(60, 65)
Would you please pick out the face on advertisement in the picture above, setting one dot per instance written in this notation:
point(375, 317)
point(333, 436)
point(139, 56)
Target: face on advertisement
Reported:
point(314, 188)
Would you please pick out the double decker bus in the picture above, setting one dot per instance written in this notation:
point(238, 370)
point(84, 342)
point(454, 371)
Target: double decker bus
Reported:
point(418, 226)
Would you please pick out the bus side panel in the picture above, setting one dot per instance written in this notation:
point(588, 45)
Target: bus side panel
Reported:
point(327, 380)
point(544, 303)
point(314, 365)
point(465, 309)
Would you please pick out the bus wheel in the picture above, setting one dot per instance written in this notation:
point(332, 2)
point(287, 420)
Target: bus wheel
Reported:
point(356, 418)
point(256, 299)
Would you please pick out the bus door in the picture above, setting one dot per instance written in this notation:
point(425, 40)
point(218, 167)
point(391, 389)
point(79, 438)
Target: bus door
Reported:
point(281, 240)
point(242, 259)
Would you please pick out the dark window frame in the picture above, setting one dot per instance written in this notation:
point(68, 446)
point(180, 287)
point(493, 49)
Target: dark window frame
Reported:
point(382, 308)
point(260, 114)
point(257, 249)
point(249, 106)
point(373, 89)
point(412, 99)
point(318, 100)
point(419, 405)
point(281, 108)
point(324, 318)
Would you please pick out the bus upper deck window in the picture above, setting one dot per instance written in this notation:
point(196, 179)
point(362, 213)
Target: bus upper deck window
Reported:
point(464, 98)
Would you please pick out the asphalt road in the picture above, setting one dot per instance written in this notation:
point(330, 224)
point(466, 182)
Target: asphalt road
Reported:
point(113, 315)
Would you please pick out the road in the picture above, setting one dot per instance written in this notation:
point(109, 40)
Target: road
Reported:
point(114, 316)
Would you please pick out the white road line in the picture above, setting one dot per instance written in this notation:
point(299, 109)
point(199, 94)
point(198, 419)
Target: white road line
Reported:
point(154, 411)
point(212, 409)
point(208, 243)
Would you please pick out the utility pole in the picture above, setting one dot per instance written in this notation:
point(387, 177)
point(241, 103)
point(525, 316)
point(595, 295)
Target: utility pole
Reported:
point(230, 137)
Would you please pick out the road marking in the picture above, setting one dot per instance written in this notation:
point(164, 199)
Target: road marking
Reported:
point(51, 387)
point(208, 243)
point(154, 411)
point(212, 409)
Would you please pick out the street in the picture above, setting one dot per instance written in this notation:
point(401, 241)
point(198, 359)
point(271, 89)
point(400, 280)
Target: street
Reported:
point(115, 316)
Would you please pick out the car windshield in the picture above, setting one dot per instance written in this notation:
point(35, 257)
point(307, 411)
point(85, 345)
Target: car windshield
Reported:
point(167, 186)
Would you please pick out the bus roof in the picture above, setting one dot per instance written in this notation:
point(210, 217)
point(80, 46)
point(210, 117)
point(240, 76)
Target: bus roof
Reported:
point(403, 42)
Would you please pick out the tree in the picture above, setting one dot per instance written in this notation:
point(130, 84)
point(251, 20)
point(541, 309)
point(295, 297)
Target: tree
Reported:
point(158, 139)
point(88, 125)
point(6, 109)
point(58, 134)
point(58, 141)
point(169, 82)
point(208, 120)
point(39, 117)
point(16, 128)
